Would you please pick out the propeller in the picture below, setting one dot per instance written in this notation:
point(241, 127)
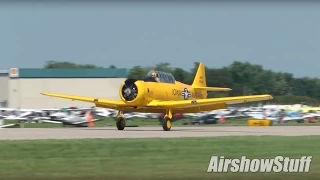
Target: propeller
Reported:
point(129, 91)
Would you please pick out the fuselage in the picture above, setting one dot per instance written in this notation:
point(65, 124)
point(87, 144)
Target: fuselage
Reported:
point(150, 91)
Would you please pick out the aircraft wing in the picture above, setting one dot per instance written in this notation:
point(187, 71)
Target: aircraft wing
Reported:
point(7, 125)
point(53, 122)
point(112, 104)
point(160, 106)
point(210, 101)
point(292, 118)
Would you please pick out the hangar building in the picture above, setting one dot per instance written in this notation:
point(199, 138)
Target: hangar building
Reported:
point(21, 88)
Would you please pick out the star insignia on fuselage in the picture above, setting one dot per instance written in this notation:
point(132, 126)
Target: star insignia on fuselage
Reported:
point(186, 94)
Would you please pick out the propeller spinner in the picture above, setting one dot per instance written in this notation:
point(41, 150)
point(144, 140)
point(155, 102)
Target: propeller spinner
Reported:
point(129, 91)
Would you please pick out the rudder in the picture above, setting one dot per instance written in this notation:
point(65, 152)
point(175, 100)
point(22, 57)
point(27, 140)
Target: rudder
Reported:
point(200, 77)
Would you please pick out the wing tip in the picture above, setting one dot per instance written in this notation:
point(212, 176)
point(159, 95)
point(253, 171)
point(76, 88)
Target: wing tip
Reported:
point(44, 93)
point(222, 89)
point(268, 96)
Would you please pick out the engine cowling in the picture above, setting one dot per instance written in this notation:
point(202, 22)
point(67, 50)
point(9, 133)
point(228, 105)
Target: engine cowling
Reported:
point(129, 91)
point(132, 92)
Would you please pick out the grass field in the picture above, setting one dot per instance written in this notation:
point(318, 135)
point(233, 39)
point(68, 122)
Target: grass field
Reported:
point(150, 159)
point(155, 122)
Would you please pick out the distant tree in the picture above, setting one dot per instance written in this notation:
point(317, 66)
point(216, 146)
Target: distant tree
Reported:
point(137, 72)
point(165, 67)
point(66, 64)
point(112, 67)
point(180, 75)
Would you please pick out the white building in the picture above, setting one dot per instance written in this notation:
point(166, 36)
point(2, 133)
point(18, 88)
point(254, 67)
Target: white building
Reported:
point(21, 88)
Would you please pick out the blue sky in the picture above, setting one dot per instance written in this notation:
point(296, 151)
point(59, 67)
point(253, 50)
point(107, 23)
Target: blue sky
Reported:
point(279, 36)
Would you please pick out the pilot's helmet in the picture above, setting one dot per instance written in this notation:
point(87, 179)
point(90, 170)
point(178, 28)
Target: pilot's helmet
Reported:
point(154, 74)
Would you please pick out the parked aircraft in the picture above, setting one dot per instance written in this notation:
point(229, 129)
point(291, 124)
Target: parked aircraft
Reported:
point(159, 92)
point(284, 116)
point(301, 107)
point(23, 116)
point(103, 112)
point(74, 120)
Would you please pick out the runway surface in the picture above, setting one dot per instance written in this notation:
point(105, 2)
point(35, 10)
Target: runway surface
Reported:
point(152, 132)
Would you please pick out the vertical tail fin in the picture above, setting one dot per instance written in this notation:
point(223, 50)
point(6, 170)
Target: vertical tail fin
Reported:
point(200, 82)
point(200, 77)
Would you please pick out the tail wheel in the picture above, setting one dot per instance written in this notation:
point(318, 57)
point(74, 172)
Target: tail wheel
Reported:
point(121, 123)
point(166, 125)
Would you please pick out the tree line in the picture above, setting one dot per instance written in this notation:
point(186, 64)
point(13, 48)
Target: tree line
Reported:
point(243, 77)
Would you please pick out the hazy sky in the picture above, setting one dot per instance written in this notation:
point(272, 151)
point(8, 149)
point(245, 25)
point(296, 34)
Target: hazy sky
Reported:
point(279, 36)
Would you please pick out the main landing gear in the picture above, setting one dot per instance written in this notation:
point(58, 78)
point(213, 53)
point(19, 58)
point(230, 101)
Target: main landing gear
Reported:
point(167, 123)
point(121, 121)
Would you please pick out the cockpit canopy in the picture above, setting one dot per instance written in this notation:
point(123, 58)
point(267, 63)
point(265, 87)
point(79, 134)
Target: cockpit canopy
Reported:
point(164, 77)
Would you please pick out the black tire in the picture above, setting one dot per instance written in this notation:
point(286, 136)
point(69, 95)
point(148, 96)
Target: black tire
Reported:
point(167, 124)
point(121, 123)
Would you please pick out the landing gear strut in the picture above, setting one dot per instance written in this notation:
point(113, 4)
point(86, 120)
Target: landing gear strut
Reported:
point(121, 122)
point(167, 123)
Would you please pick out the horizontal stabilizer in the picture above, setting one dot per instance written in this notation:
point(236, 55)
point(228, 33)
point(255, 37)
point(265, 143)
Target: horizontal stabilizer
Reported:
point(212, 88)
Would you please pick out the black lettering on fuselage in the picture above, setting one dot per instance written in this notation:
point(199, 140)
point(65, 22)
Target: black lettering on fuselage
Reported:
point(176, 92)
point(197, 95)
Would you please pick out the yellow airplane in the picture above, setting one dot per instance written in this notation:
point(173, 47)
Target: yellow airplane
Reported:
point(159, 92)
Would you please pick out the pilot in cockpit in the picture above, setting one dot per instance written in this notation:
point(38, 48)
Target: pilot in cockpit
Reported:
point(155, 76)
